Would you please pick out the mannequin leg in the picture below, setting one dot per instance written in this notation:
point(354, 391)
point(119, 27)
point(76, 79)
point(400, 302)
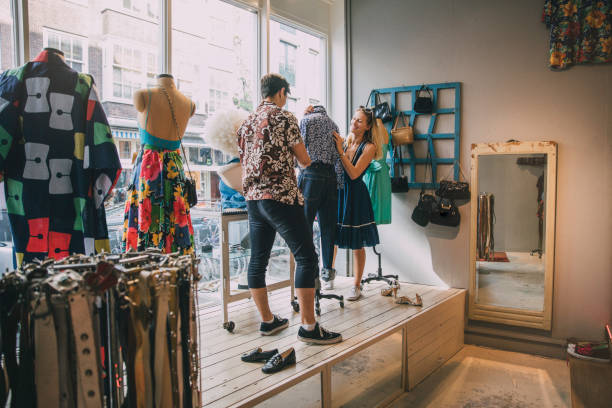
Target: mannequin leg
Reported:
point(359, 257)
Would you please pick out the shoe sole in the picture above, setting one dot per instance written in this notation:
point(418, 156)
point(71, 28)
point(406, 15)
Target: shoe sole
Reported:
point(314, 341)
point(274, 330)
point(351, 299)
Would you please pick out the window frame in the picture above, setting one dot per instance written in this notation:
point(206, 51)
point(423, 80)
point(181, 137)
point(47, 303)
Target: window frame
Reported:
point(47, 31)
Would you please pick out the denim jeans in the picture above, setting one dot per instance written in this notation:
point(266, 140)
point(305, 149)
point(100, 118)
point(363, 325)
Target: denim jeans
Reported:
point(266, 218)
point(319, 187)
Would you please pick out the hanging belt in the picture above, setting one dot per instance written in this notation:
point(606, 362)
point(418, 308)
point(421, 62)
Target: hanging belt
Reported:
point(173, 326)
point(65, 358)
point(46, 364)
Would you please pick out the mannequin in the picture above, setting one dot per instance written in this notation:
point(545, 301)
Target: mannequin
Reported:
point(160, 119)
point(156, 209)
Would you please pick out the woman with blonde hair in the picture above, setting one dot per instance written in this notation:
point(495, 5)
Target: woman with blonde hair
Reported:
point(356, 227)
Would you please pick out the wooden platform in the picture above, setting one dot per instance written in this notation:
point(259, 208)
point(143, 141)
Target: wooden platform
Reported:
point(430, 335)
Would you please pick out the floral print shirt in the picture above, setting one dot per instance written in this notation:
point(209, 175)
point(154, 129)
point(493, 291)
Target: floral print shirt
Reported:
point(316, 128)
point(265, 142)
point(580, 31)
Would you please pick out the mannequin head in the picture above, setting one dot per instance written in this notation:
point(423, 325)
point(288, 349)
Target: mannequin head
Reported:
point(275, 88)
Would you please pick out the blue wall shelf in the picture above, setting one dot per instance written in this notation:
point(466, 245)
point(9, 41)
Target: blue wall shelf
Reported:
point(412, 160)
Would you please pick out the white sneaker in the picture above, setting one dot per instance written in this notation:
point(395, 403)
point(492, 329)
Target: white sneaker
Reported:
point(354, 294)
point(329, 285)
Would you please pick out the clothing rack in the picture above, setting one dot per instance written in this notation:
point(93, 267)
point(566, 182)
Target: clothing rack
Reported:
point(412, 160)
point(118, 331)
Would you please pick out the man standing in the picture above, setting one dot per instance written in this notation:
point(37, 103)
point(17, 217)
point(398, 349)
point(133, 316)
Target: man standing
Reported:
point(269, 141)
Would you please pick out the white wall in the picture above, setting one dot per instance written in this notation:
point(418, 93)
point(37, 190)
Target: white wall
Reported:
point(498, 50)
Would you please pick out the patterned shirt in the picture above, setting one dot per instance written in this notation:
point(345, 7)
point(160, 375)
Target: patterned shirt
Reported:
point(57, 159)
point(316, 128)
point(265, 142)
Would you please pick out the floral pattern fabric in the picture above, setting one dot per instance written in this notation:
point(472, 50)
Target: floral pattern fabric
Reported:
point(265, 142)
point(156, 210)
point(580, 31)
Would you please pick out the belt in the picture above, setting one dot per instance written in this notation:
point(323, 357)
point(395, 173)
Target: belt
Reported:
point(66, 380)
point(163, 383)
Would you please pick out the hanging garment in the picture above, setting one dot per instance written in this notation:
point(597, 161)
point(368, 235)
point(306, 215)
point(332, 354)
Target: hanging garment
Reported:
point(156, 211)
point(378, 181)
point(57, 158)
point(580, 31)
point(486, 219)
point(356, 227)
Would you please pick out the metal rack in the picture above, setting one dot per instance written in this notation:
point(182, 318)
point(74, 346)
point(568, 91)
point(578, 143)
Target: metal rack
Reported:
point(429, 136)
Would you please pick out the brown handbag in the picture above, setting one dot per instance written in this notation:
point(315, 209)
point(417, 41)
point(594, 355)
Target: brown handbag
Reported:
point(404, 134)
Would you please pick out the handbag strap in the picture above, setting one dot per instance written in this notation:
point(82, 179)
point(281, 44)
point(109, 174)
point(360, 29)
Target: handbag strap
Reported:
point(397, 118)
point(424, 88)
point(370, 98)
point(429, 163)
point(180, 138)
point(451, 170)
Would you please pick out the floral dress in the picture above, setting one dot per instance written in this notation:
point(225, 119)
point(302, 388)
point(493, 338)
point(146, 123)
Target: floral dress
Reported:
point(156, 210)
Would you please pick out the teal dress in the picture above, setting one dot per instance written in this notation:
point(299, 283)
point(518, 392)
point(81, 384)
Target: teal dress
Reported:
point(378, 182)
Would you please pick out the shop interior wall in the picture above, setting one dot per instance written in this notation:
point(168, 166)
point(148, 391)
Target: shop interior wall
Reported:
point(498, 51)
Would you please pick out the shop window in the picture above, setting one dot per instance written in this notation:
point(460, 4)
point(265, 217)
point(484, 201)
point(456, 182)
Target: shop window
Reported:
point(74, 48)
point(125, 149)
point(7, 53)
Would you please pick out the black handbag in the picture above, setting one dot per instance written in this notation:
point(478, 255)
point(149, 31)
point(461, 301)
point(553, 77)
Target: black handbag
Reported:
point(456, 190)
point(423, 104)
point(399, 182)
point(427, 202)
point(189, 184)
point(381, 110)
point(424, 208)
point(445, 213)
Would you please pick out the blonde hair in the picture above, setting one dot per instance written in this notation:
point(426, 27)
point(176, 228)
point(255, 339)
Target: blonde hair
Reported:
point(369, 136)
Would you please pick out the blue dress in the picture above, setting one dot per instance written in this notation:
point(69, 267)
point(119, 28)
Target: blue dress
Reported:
point(356, 227)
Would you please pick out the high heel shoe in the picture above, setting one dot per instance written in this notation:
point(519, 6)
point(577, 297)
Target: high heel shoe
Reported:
point(391, 289)
point(405, 300)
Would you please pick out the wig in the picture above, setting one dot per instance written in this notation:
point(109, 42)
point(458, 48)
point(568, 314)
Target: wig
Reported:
point(221, 130)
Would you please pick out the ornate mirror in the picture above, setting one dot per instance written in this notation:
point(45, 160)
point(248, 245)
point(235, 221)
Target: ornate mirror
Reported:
point(512, 237)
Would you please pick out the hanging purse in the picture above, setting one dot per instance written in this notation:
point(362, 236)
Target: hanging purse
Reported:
point(456, 190)
point(423, 104)
point(189, 184)
point(403, 134)
point(445, 213)
point(381, 110)
point(426, 205)
point(399, 182)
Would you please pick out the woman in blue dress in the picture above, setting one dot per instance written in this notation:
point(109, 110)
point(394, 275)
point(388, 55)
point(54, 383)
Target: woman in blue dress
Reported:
point(356, 226)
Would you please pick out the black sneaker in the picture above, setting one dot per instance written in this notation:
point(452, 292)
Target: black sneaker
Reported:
point(318, 336)
point(277, 325)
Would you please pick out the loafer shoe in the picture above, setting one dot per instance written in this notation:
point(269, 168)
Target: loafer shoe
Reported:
point(279, 361)
point(278, 324)
point(318, 336)
point(258, 356)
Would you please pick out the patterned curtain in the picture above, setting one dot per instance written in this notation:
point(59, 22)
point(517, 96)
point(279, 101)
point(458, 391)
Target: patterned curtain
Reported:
point(580, 31)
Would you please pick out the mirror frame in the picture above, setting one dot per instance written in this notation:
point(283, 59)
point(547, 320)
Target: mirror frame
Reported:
point(508, 315)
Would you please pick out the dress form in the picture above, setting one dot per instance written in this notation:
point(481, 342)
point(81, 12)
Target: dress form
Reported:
point(160, 123)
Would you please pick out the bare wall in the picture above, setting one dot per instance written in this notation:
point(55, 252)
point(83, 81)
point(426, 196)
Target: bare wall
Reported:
point(498, 50)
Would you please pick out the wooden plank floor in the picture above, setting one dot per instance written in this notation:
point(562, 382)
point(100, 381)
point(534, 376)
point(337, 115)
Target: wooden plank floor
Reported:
point(227, 381)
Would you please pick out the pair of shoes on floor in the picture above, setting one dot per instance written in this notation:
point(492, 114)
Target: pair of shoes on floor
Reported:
point(354, 293)
point(278, 324)
point(274, 361)
point(405, 300)
point(318, 335)
point(391, 289)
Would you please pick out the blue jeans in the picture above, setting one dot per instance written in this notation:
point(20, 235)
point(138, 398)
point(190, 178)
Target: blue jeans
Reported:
point(319, 187)
point(266, 218)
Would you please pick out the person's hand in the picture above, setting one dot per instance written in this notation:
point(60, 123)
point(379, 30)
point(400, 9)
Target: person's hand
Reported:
point(308, 109)
point(339, 141)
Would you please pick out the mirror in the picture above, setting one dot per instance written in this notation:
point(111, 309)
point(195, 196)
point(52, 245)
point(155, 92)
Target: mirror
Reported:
point(512, 232)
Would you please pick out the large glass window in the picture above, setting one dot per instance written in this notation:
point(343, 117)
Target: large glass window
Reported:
point(7, 53)
point(299, 56)
point(73, 46)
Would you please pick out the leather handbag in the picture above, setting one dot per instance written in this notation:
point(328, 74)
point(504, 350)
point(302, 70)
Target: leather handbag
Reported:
point(445, 213)
point(189, 185)
point(381, 110)
point(456, 190)
point(399, 182)
point(427, 202)
point(423, 104)
point(404, 134)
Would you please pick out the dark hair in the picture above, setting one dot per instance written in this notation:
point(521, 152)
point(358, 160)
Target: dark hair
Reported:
point(272, 83)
